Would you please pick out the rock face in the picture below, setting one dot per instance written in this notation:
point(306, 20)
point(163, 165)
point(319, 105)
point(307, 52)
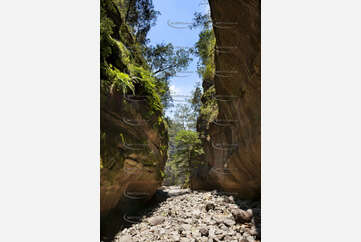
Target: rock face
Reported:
point(132, 167)
point(232, 142)
point(133, 142)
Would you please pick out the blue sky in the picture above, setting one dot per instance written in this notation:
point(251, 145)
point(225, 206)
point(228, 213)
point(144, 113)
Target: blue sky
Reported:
point(178, 11)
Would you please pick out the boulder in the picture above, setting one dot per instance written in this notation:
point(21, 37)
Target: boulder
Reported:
point(241, 216)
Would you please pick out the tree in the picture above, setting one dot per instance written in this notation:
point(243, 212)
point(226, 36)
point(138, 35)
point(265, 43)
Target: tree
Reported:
point(185, 148)
point(141, 16)
point(165, 61)
point(202, 20)
point(205, 50)
point(188, 149)
point(196, 98)
point(185, 116)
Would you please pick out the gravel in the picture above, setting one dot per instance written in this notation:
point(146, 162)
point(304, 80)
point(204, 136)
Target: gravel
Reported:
point(197, 216)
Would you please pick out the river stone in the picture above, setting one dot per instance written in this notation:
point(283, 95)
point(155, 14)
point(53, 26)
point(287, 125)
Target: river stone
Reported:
point(204, 231)
point(185, 228)
point(241, 216)
point(156, 220)
point(125, 238)
point(210, 206)
point(229, 222)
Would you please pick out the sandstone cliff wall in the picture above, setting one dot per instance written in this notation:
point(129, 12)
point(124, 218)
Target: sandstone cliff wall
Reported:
point(133, 133)
point(232, 142)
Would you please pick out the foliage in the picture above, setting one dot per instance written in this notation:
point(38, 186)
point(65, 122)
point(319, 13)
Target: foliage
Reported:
point(205, 50)
point(164, 58)
point(202, 20)
point(209, 108)
point(124, 27)
point(185, 116)
point(187, 144)
point(111, 72)
point(141, 16)
point(124, 70)
point(196, 98)
point(165, 61)
point(187, 149)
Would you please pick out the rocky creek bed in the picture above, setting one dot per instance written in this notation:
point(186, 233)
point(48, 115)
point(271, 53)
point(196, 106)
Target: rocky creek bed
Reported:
point(185, 215)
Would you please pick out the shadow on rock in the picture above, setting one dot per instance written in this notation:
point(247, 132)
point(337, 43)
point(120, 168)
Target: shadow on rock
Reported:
point(124, 218)
point(247, 208)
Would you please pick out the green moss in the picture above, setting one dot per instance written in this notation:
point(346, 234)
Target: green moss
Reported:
point(162, 174)
point(205, 49)
point(209, 108)
point(123, 70)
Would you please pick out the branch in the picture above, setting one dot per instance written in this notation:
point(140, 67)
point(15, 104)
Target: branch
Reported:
point(128, 10)
point(166, 68)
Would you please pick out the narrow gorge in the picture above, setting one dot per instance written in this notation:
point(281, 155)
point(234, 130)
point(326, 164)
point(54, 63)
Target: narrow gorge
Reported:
point(219, 198)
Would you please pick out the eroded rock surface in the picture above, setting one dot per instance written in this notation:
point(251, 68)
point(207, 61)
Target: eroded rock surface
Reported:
point(232, 142)
point(133, 142)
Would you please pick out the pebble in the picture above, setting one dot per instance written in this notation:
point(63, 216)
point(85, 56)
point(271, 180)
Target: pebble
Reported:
point(156, 220)
point(125, 238)
point(196, 216)
point(229, 222)
point(210, 206)
point(204, 232)
point(241, 216)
